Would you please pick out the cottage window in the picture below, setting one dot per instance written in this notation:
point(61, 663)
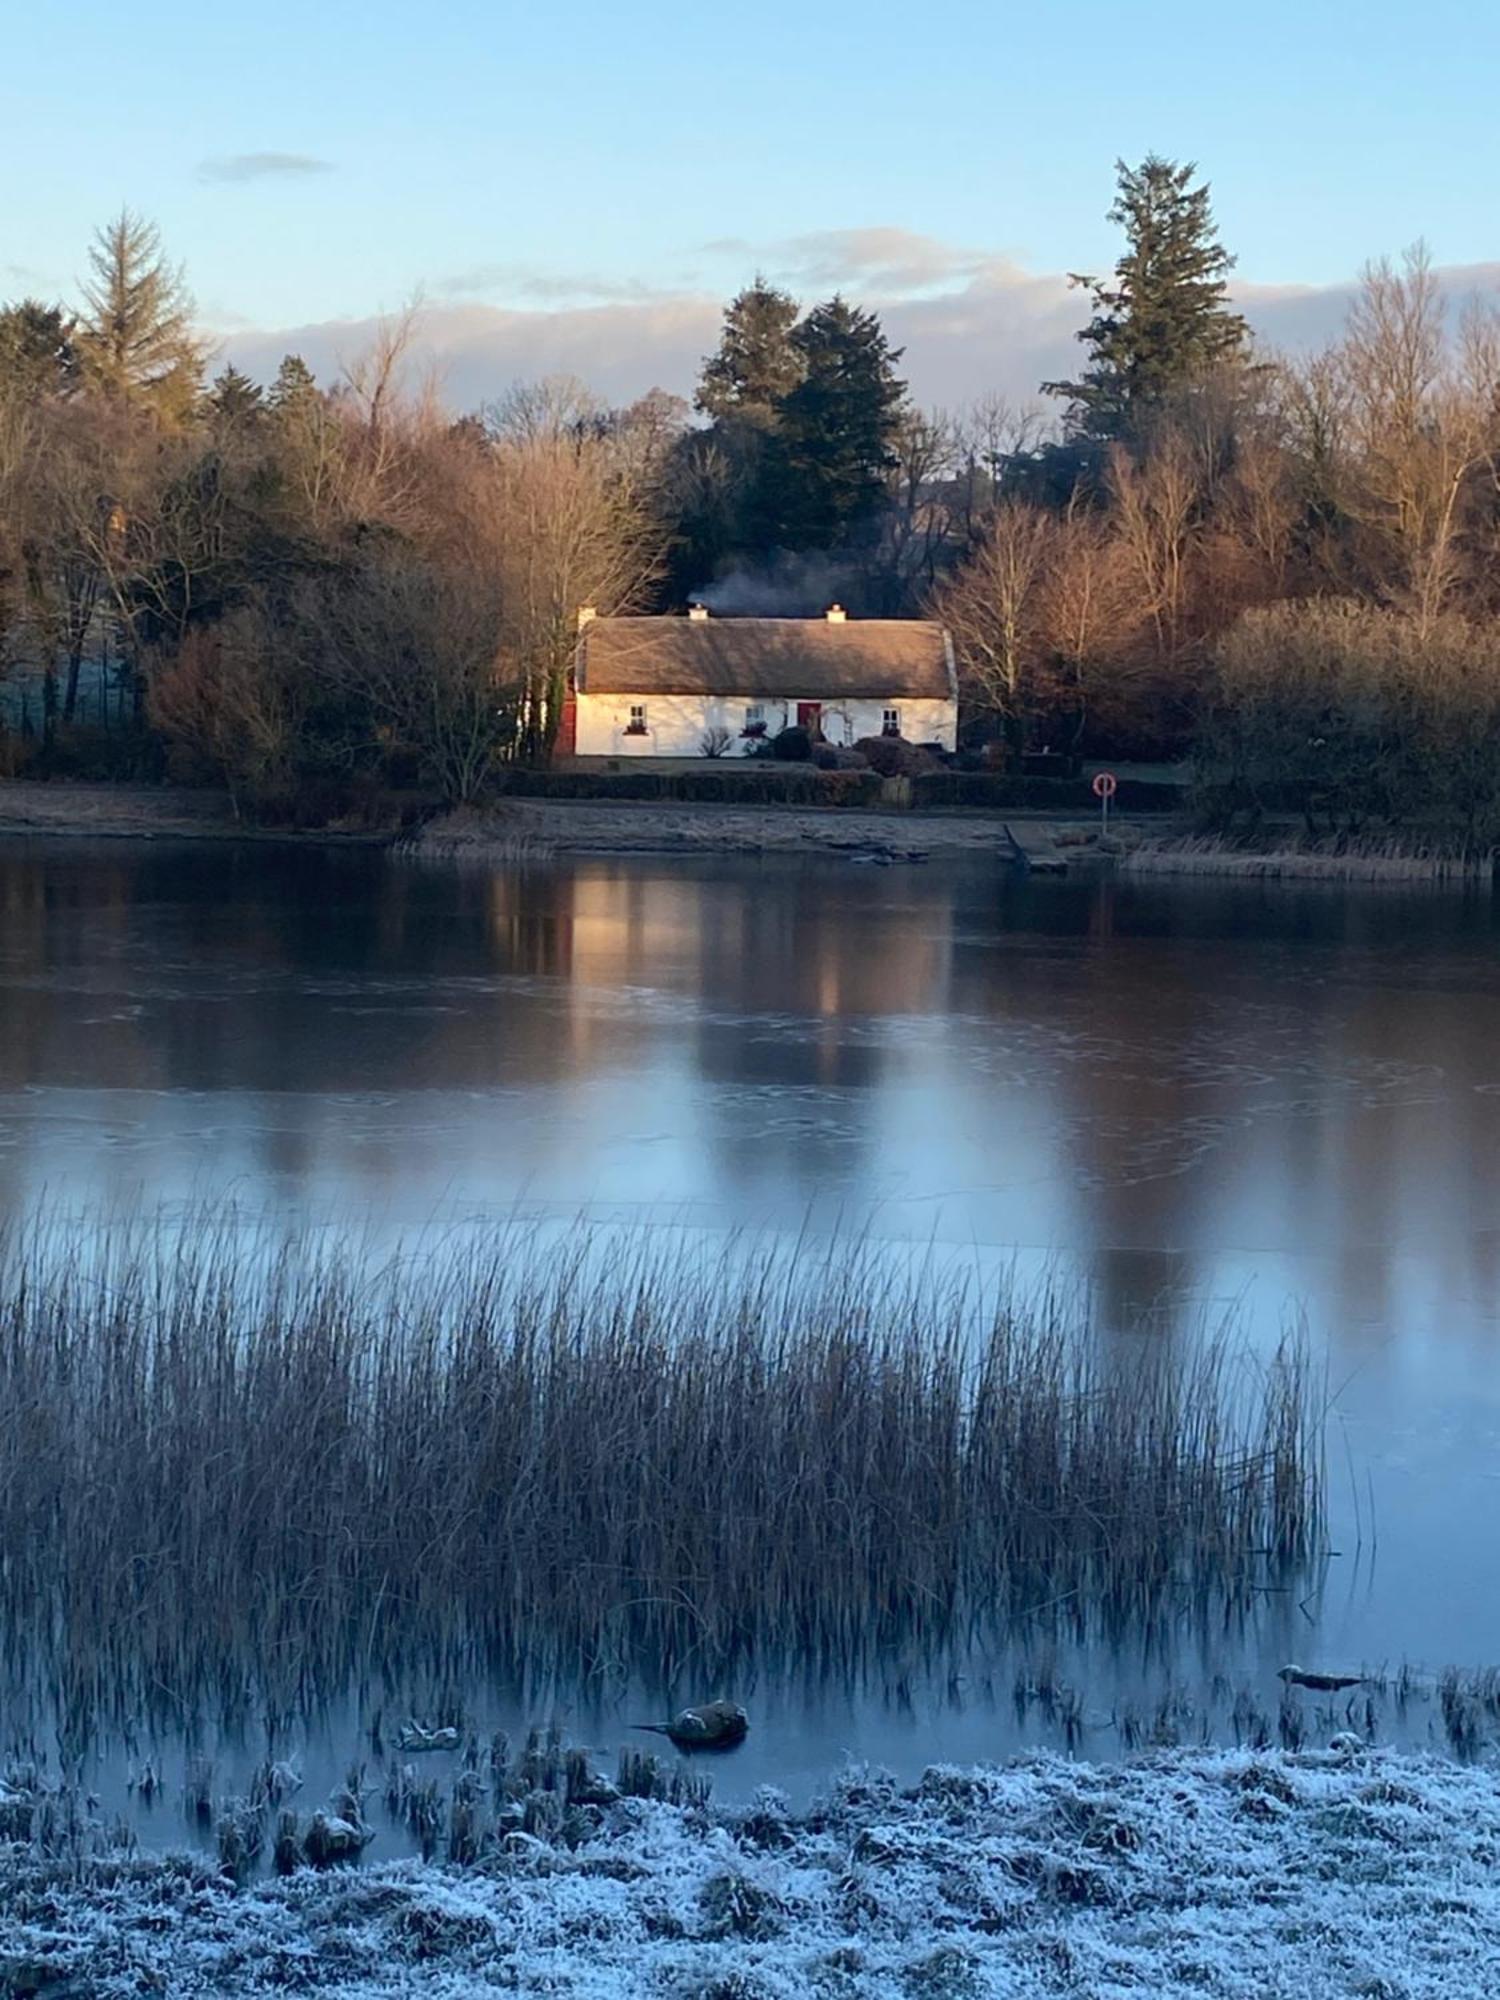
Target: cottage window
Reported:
point(890, 722)
point(755, 715)
point(637, 724)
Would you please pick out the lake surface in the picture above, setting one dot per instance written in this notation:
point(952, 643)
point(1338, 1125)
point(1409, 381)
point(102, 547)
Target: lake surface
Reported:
point(1194, 1096)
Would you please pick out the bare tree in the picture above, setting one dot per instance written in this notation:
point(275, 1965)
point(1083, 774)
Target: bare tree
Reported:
point(414, 645)
point(992, 608)
point(385, 418)
point(917, 531)
point(987, 437)
point(1088, 616)
point(1422, 429)
point(575, 532)
point(1154, 501)
point(231, 698)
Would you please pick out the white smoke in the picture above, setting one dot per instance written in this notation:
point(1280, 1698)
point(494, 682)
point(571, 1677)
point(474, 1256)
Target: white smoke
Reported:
point(788, 585)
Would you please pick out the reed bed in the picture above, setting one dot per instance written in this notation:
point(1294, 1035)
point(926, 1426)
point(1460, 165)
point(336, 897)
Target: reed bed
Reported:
point(1345, 860)
point(223, 1454)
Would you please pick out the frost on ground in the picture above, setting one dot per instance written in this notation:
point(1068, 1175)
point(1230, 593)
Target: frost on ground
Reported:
point(1220, 1873)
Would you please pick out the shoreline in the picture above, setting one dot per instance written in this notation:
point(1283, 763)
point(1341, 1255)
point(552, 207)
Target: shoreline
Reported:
point(521, 830)
point(626, 826)
point(534, 828)
point(1234, 1874)
point(67, 810)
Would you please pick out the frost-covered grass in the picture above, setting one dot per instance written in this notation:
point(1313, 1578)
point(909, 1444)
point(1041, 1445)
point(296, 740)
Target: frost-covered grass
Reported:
point(1236, 1874)
point(223, 1456)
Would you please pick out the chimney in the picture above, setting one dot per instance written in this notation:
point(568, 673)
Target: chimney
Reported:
point(835, 614)
point(586, 615)
point(697, 612)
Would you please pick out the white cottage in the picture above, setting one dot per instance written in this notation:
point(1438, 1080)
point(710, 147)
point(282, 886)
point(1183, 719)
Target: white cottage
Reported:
point(699, 686)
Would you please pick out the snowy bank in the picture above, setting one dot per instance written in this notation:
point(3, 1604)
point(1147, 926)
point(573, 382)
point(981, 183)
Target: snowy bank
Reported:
point(1205, 1873)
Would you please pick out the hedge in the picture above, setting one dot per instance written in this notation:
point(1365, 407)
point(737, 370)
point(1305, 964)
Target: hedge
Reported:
point(993, 792)
point(764, 784)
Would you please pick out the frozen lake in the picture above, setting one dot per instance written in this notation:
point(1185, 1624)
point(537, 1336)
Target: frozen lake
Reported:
point(1193, 1097)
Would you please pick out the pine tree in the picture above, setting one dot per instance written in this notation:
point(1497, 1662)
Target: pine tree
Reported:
point(295, 386)
point(1164, 321)
point(832, 452)
point(757, 363)
point(38, 354)
point(234, 400)
point(136, 337)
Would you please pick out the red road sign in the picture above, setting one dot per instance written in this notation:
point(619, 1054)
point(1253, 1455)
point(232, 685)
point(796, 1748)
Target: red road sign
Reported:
point(1106, 784)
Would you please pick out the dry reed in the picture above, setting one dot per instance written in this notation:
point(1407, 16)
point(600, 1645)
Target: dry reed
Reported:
point(223, 1456)
point(1342, 860)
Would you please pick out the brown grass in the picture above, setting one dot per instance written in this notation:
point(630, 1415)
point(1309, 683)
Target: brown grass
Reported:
point(1341, 860)
point(221, 1454)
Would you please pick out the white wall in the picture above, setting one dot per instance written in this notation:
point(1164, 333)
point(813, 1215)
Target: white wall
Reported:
point(677, 723)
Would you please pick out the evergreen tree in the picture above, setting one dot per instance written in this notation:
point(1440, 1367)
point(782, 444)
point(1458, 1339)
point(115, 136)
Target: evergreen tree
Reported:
point(295, 386)
point(38, 356)
point(136, 337)
point(235, 401)
point(1164, 320)
point(832, 452)
point(757, 363)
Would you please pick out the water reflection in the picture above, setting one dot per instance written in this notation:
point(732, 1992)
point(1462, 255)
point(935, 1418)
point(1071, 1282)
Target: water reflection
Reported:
point(1189, 1093)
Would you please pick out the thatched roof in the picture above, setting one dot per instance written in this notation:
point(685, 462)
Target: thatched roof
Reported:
point(862, 659)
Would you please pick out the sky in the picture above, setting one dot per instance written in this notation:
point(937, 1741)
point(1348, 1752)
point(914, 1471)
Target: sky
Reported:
point(577, 188)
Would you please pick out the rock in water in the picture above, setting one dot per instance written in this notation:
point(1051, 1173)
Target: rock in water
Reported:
point(331, 1839)
point(711, 1725)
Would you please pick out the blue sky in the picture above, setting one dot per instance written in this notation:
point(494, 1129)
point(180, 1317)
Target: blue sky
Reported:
point(323, 162)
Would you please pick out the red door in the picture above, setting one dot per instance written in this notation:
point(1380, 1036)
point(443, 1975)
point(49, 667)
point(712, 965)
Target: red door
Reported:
point(567, 727)
point(810, 717)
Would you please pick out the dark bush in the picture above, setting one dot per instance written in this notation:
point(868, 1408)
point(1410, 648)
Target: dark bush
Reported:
point(745, 782)
point(350, 803)
point(106, 756)
point(882, 754)
point(1357, 718)
point(894, 757)
point(792, 746)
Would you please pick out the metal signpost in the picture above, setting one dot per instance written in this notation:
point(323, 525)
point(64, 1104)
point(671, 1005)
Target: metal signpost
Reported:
point(1106, 784)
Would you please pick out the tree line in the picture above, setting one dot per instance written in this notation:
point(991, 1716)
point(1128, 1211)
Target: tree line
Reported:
point(1191, 544)
point(303, 590)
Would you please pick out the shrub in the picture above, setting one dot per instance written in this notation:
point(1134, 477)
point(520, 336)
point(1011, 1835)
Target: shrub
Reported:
point(1353, 717)
point(792, 746)
point(894, 757)
point(740, 782)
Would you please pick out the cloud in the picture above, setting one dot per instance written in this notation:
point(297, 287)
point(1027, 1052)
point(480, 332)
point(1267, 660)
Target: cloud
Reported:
point(880, 262)
point(970, 325)
point(479, 351)
point(233, 167)
point(522, 281)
